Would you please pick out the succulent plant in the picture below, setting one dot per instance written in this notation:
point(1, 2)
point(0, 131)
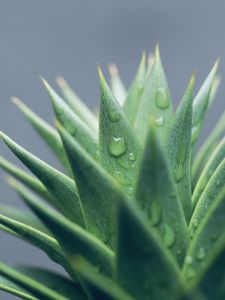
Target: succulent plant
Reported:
point(137, 214)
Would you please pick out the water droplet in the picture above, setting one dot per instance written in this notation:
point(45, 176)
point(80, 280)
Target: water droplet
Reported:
point(178, 172)
point(159, 121)
point(131, 156)
point(195, 223)
point(114, 115)
point(201, 254)
point(168, 236)
point(162, 100)
point(188, 260)
point(117, 146)
point(179, 252)
point(155, 213)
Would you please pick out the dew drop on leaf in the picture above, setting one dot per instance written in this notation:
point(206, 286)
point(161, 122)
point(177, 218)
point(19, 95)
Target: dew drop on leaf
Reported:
point(159, 122)
point(162, 100)
point(117, 146)
point(114, 116)
point(155, 213)
point(131, 156)
point(168, 236)
point(201, 253)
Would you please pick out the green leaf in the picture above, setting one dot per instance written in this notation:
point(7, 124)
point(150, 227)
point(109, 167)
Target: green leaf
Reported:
point(118, 145)
point(37, 289)
point(77, 105)
point(99, 286)
point(60, 186)
point(154, 101)
point(27, 179)
point(54, 281)
point(131, 105)
point(14, 289)
point(208, 237)
point(211, 191)
point(73, 239)
point(144, 267)
point(116, 84)
point(201, 104)
point(22, 216)
point(40, 239)
point(179, 148)
point(99, 200)
point(46, 132)
point(214, 160)
point(212, 281)
point(156, 194)
point(72, 123)
point(207, 148)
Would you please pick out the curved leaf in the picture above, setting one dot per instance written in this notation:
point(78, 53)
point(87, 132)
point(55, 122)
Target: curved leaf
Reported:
point(77, 105)
point(60, 186)
point(156, 194)
point(118, 145)
point(179, 148)
point(73, 239)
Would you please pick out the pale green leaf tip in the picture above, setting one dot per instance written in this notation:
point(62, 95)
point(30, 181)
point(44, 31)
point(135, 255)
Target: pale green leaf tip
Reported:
point(113, 70)
point(157, 53)
point(61, 81)
point(16, 101)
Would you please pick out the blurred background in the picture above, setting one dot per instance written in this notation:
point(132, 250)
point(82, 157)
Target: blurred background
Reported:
point(69, 37)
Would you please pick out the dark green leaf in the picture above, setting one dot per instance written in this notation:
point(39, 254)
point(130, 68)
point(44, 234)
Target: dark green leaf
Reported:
point(144, 268)
point(179, 148)
point(77, 105)
point(60, 186)
point(118, 145)
point(72, 123)
point(37, 289)
point(155, 100)
point(74, 239)
point(132, 102)
point(14, 289)
point(156, 194)
point(98, 191)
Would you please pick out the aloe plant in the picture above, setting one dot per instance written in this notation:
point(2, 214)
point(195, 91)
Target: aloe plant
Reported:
point(136, 214)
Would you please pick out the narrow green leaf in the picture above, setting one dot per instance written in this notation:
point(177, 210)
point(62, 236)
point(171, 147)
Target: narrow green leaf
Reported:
point(60, 186)
point(156, 194)
point(37, 289)
point(154, 101)
point(98, 191)
point(72, 123)
point(207, 148)
point(46, 132)
point(73, 239)
point(214, 89)
point(22, 216)
point(201, 104)
point(144, 268)
point(131, 105)
point(27, 179)
point(208, 237)
point(116, 84)
point(40, 239)
point(77, 105)
point(118, 145)
point(216, 157)
point(99, 286)
point(10, 287)
point(54, 281)
point(211, 191)
point(179, 148)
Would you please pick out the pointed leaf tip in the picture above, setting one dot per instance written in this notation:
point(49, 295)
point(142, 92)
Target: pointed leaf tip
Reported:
point(113, 70)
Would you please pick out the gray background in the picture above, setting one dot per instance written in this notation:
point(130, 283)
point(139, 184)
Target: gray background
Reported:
point(69, 37)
